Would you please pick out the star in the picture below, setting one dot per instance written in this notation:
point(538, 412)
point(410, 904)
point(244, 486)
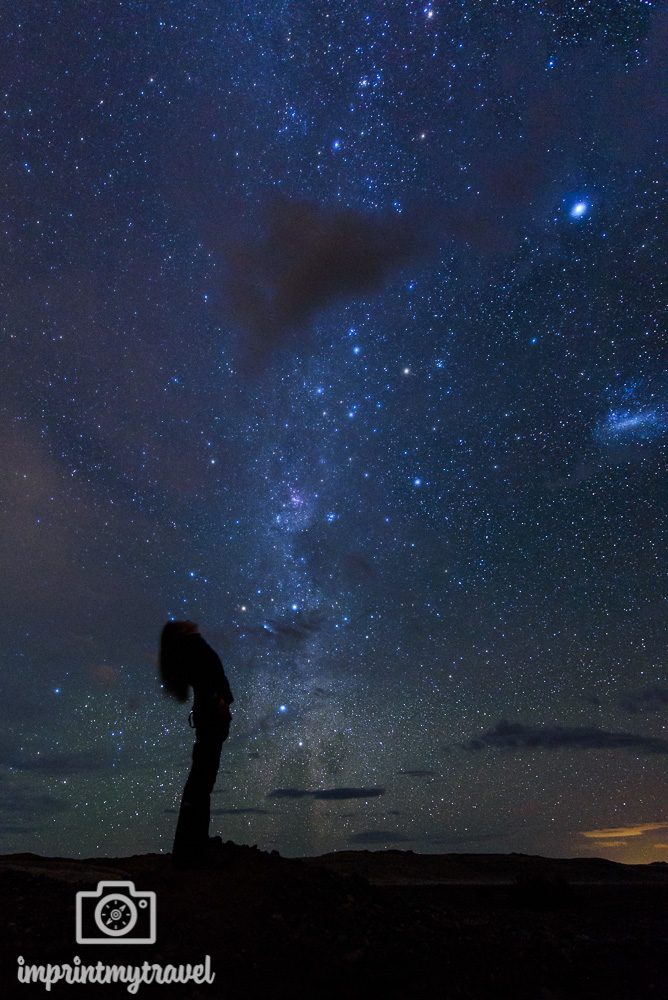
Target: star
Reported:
point(579, 209)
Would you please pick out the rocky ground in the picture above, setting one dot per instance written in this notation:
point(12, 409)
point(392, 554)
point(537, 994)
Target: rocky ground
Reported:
point(360, 924)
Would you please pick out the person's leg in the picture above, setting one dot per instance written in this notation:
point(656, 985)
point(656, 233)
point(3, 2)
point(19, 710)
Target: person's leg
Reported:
point(212, 744)
point(192, 828)
point(183, 849)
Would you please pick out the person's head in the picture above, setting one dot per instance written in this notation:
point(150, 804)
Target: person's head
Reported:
point(170, 658)
point(185, 627)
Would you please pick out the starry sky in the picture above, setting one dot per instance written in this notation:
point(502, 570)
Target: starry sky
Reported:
point(335, 327)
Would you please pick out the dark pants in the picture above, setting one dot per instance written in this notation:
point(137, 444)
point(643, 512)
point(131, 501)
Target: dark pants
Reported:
point(192, 828)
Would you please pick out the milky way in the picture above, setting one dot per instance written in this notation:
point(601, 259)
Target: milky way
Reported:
point(335, 328)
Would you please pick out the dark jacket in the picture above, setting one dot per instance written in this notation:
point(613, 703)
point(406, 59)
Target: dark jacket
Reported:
point(205, 674)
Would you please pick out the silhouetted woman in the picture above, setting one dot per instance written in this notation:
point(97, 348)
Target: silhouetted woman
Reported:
point(187, 660)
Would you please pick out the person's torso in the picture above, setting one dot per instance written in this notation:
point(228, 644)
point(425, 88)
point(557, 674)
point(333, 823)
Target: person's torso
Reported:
point(207, 678)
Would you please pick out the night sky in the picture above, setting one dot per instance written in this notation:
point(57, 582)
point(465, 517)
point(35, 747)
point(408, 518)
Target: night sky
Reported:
point(336, 328)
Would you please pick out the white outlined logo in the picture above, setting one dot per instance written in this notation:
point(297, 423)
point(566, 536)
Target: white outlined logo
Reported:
point(115, 913)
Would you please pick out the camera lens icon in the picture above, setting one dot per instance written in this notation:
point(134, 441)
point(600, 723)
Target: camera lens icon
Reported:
point(116, 913)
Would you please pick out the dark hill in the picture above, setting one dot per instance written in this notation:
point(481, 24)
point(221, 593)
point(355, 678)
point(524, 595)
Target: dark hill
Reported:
point(359, 924)
point(407, 867)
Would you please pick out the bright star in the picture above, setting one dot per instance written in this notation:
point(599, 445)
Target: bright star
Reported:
point(579, 210)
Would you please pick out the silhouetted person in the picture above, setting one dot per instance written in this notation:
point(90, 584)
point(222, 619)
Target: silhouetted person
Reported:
point(187, 660)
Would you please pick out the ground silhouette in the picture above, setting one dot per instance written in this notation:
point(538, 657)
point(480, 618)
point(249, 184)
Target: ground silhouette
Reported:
point(360, 924)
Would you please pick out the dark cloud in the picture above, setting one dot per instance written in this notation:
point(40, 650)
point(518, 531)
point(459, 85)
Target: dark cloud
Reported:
point(323, 693)
point(307, 257)
point(289, 631)
point(324, 548)
point(289, 793)
point(583, 472)
point(417, 773)
point(325, 793)
point(592, 699)
point(22, 800)
point(649, 699)
point(57, 764)
point(378, 837)
point(349, 793)
point(240, 812)
point(357, 567)
point(105, 675)
point(517, 736)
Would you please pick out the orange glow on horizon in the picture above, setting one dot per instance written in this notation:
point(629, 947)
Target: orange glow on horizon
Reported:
point(618, 832)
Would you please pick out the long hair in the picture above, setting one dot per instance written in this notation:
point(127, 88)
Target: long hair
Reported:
point(170, 661)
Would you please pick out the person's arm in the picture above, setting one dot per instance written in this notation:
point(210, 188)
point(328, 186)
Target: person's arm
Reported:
point(221, 683)
point(223, 692)
point(223, 687)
